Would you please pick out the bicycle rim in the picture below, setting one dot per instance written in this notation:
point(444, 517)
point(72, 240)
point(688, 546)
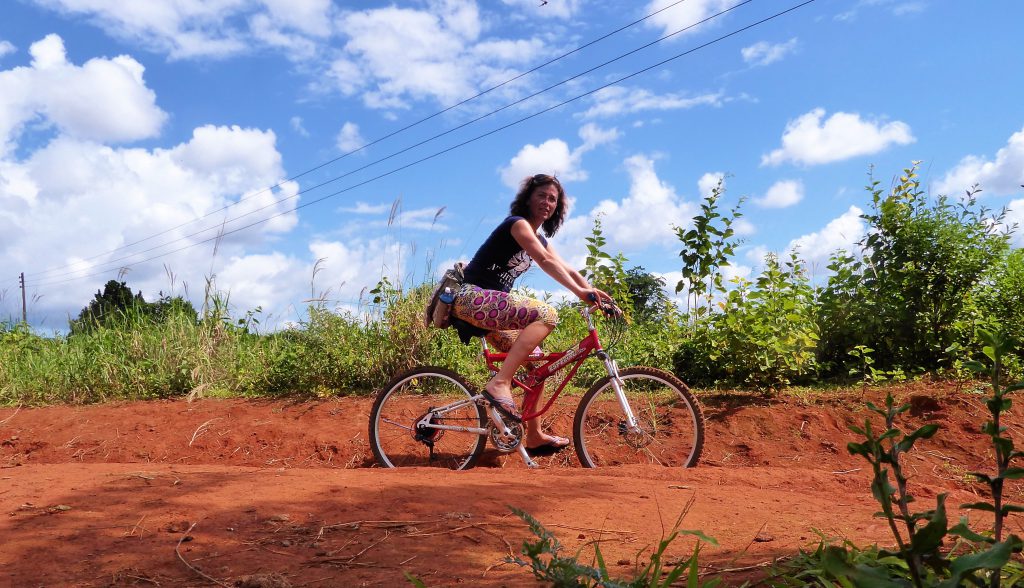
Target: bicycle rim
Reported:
point(397, 441)
point(671, 422)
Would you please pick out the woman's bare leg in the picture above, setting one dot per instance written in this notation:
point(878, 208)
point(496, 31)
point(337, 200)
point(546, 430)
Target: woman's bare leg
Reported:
point(500, 386)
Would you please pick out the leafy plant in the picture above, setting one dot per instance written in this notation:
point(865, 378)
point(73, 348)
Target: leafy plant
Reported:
point(607, 272)
point(547, 563)
point(707, 248)
point(996, 347)
point(906, 293)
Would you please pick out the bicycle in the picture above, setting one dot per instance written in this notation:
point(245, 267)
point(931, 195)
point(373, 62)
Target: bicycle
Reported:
point(430, 416)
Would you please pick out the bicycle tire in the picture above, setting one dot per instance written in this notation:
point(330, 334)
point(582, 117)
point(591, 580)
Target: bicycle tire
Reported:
point(396, 442)
point(669, 416)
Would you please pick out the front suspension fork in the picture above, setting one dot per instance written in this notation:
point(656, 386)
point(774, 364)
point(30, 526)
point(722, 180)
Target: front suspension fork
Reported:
point(618, 386)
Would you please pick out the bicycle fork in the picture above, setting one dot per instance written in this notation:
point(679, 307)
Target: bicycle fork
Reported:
point(617, 385)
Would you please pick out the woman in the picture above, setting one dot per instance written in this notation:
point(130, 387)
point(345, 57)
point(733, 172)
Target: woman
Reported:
point(517, 324)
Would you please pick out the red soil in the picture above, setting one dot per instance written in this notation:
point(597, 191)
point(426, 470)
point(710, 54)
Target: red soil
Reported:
point(283, 493)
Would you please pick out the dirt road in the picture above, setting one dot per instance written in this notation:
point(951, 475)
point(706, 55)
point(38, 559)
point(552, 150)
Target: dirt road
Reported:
point(282, 493)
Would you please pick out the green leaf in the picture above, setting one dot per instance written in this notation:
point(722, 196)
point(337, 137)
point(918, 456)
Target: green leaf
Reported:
point(979, 506)
point(993, 558)
point(929, 538)
point(1013, 473)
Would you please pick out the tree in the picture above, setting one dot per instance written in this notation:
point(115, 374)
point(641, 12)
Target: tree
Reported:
point(117, 301)
point(647, 292)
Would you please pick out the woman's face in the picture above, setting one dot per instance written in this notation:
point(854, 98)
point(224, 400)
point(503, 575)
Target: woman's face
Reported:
point(543, 202)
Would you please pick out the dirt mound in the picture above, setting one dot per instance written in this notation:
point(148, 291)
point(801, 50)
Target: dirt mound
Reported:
point(283, 493)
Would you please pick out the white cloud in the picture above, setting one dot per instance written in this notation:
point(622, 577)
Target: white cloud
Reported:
point(686, 14)
point(6, 48)
point(708, 182)
point(364, 208)
point(554, 157)
point(765, 53)
point(349, 139)
point(619, 100)
point(1015, 215)
point(394, 55)
point(642, 219)
point(782, 194)
point(297, 126)
point(102, 100)
point(743, 227)
point(843, 135)
point(840, 233)
point(1003, 175)
point(896, 7)
point(103, 198)
point(216, 28)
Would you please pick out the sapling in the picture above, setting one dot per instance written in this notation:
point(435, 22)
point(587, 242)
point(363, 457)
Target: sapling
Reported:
point(997, 345)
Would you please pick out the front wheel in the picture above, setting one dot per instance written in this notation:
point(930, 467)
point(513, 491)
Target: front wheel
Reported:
point(669, 427)
point(426, 417)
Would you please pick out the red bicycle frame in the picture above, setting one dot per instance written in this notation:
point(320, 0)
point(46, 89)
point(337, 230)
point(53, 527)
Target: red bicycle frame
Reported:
point(556, 362)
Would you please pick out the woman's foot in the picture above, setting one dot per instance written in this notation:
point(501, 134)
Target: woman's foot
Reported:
point(500, 398)
point(545, 445)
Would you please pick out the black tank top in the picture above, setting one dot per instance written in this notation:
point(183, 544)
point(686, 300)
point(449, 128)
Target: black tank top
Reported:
point(500, 260)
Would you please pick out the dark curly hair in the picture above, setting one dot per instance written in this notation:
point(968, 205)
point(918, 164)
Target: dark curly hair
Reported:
point(521, 204)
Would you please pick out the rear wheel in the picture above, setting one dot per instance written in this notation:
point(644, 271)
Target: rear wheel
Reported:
point(670, 429)
point(405, 416)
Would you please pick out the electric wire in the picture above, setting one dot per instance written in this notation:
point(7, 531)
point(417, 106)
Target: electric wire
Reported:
point(459, 145)
point(375, 141)
point(221, 224)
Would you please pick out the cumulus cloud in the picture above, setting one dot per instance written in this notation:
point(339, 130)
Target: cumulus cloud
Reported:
point(765, 53)
point(104, 198)
point(102, 100)
point(6, 48)
point(349, 139)
point(189, 30)
point(686, 14)
point(840, 233)
point(642, 219)
point(709, 181)
point(554, 157)
point(619, 100)
point(395, 55)
point(809, 140)
point(782, 194)
point(1002, 175)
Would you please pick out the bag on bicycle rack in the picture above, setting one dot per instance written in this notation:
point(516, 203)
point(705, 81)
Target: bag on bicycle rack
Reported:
point(439, 310)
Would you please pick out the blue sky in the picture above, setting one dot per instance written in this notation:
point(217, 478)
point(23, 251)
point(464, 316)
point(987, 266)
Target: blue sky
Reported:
point(131, 132)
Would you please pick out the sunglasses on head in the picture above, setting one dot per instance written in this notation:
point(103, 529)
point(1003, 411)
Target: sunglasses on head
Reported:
point(543, 179)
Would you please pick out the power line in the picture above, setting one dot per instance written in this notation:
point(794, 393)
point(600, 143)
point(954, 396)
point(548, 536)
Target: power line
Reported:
point(221, 224)
point(374, 142)
point(459, 145)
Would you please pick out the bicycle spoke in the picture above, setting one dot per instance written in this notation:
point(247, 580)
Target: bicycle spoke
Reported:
point(401, 434)
point(671, 425)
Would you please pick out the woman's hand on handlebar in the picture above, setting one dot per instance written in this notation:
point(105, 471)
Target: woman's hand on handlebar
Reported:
point(594, 296)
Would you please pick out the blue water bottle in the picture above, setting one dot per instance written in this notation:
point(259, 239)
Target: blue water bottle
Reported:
point(447, 296)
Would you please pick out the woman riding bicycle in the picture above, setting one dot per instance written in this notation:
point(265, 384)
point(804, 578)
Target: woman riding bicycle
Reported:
point(517, 324)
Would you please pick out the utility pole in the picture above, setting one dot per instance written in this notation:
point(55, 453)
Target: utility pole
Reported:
point(24, 314)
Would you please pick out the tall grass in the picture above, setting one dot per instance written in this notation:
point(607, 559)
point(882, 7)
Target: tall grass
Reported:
point(135, 357)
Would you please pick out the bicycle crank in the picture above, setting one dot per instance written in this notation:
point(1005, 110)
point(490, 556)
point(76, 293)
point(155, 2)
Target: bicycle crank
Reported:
point(506, 443)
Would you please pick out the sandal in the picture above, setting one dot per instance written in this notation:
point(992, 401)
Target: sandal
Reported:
point(505, 406)
point(550, 448)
